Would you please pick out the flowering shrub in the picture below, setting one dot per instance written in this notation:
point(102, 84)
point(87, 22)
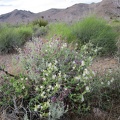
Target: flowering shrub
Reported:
point(58, 78)
point(59, 72)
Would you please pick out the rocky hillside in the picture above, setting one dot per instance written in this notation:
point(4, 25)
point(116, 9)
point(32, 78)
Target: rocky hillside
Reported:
point(108, 9)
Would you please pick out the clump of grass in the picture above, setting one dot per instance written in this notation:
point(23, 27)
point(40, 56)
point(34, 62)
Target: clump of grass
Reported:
point(97, 31)
point(62, 30)
point(12, 37)
point(40, 22)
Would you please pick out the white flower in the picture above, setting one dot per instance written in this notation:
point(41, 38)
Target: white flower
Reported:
point(55, 68)
point(53, 77)
point(82, 99)
point(59, 73)
point(49, 113)
point(108, 82)
point(50, 45)
point(46, 75)
point(48, 90)
point(56, 62)
point(48, 104)
point(44, 96)
point(57, 85)
point(36, 107)
point(83, 63)
point(41, 87)
point(65, 89)
point(22, 79)
point(52, 88)
point(64, 75)
point(112, 79)
point(77, 77)
point(110, 71)
point(73, 62)
point(64, 45)
point(50, 64)
point(26, 78)
point(44, 78)
point(93, 73)
point(49, 86)
point(43, 93)
point(37, 88)
point(87, 88)
point(76, 44)
point(41, 115)
point(73, 67)
point(86, 78)
point(23, 87)
point(102, 83)
point(86, 72)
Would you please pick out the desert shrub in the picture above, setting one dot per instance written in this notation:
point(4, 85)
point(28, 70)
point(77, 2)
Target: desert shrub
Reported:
point(62, 30)
point(40, 22)
point(58, 78)
point(105, 91)
point(24, 33)
point(40, 31)
point(98, 32)
point(12, 37)
point(8, 40)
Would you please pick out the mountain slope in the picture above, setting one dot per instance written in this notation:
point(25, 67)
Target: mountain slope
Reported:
point(107, 8)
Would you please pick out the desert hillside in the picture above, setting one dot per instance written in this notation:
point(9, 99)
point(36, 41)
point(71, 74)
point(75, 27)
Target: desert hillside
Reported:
point(107, 9)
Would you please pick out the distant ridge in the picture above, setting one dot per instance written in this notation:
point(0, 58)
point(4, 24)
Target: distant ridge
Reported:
point(107, 9)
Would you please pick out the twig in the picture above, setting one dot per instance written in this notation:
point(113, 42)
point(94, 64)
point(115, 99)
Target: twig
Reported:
point(15, 105)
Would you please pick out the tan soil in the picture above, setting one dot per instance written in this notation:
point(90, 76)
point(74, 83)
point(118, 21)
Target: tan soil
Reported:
point(104, 64)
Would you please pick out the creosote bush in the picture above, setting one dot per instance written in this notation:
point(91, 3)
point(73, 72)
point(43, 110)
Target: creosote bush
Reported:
point(58, 78)
point(98, 32)
point(12, 37)
point(40, 22)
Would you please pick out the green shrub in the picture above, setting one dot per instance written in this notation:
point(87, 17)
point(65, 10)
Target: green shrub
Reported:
point(57, 73)
point(40, 31)
point(8, 40)
point(24, 33)
point(12, 37)
point(96, 31)
point(60, 30)
point(40, 22)
point(105, 90)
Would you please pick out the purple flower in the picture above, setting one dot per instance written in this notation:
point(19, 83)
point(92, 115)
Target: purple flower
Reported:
point(78, 62)
point(54, 99)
